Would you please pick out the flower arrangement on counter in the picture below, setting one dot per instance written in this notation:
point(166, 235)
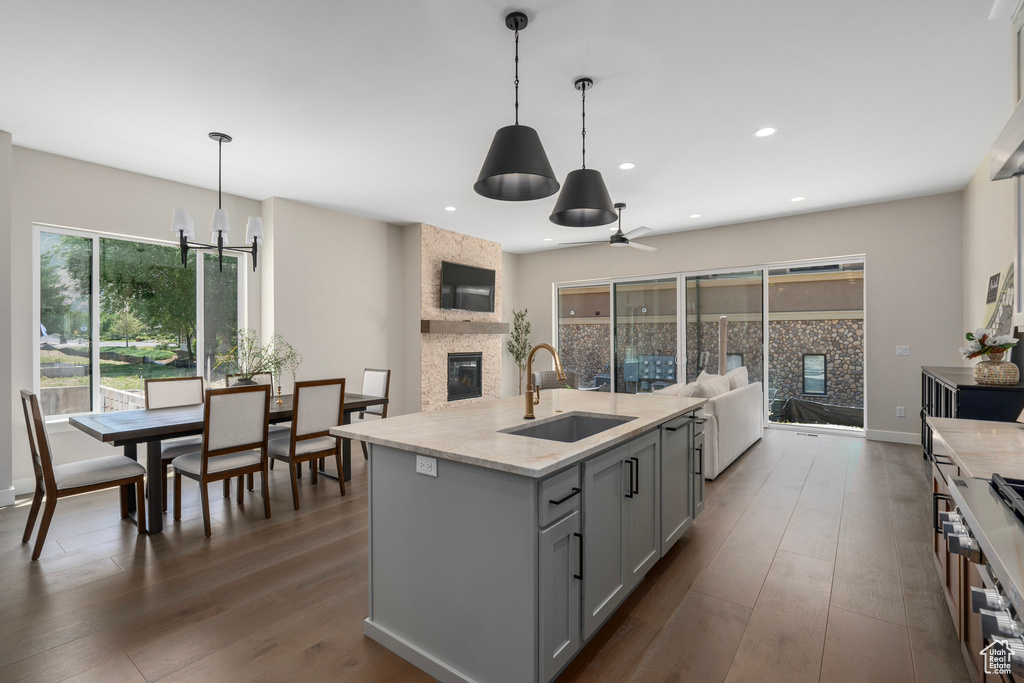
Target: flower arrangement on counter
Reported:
point(984, 342)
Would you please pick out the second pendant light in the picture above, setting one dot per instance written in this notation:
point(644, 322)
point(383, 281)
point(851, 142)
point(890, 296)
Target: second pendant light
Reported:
point(584, 201)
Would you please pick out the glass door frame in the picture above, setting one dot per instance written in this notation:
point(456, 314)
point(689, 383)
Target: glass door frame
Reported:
point(681, 359)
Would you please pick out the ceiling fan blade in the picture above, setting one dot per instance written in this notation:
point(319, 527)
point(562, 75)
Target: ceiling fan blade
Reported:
point(567, 244)
point(642, 230)
point(642, 247)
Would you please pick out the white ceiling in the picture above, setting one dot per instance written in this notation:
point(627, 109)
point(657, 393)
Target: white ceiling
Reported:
point(386, 109)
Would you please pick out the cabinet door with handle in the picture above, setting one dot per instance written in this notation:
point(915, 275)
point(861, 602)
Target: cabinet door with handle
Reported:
point(642, 509)
point(606, 485)
point(561, 564)
point(676, 481)
point(698, 467)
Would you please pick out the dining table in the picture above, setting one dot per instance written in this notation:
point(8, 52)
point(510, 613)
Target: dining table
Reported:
point(131, 428)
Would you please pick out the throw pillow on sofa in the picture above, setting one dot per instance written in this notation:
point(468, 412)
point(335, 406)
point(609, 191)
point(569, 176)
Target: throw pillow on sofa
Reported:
point(738, 377)
point(705, 376)
point(711, 388)
point(684, 390)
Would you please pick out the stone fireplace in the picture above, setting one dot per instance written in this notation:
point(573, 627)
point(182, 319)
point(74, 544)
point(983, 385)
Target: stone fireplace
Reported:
point(465, 376)
point(460, 352)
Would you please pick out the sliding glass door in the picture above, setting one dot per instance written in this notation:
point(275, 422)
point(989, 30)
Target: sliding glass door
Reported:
point(816, 344)
point(646, 335)
point(585, 334)
point(740, 298)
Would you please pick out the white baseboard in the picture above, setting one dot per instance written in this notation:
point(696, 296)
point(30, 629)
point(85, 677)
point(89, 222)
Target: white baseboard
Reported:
point(893, 437)
point(23, 487)
point(7, 497)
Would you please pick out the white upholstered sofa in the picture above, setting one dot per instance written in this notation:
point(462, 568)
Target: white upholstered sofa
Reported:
point(734, 412)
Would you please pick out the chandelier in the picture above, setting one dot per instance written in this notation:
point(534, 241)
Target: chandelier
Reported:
point(220, 227)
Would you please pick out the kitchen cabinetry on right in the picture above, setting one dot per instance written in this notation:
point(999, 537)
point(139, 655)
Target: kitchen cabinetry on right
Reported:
point(620, 525)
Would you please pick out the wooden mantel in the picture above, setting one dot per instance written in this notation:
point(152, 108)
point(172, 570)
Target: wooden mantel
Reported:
point(461, 327)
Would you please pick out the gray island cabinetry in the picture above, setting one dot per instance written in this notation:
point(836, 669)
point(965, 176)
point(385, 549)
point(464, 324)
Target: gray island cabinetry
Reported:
point(497, 550)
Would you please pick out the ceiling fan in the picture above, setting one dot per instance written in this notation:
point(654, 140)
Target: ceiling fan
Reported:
point(619, 239)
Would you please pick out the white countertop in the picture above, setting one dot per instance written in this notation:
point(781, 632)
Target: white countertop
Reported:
point(979, 447)
point(471, 433)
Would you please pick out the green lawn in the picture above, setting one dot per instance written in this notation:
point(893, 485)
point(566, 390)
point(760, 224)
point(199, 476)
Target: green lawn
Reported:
point(115, 374)
point(137, 352)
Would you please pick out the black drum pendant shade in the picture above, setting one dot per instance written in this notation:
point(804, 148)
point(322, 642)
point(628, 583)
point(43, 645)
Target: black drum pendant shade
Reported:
point(516, 168)
point(584, 201)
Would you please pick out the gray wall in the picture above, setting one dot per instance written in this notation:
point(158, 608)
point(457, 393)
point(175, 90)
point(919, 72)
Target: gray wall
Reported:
point(333, 289)
point(914, 280)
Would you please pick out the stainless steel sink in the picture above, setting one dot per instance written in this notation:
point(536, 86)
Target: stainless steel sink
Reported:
point(570, 427)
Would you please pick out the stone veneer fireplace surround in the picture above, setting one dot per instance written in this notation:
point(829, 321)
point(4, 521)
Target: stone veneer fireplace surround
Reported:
point(445, 332)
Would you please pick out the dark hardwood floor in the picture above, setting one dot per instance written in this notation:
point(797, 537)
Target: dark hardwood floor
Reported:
point(811, 561)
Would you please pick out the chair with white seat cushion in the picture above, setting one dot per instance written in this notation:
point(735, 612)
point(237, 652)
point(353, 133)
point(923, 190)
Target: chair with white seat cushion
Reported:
point(174, 392)
point(260, 378)
point(375, 383)
point(318, 406)
point(73, 478)
point(234, 444)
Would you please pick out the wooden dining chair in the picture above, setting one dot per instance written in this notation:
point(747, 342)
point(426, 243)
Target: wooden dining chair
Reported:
point(234, 444)
point(318, 406)
point(174, 392)
point(275, 430)
point(375, 383)
point(73, 478)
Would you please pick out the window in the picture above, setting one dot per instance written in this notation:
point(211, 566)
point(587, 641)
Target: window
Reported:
point(814, 374)
point(115, 312)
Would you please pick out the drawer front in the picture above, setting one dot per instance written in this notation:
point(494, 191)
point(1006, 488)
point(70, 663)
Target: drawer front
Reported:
point(558, 495)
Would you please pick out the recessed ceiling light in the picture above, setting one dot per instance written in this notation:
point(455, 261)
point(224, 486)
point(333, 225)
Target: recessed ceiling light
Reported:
point(765, 132)
point(547, 239)
point(695, 215)
point(449, 208)
point(797, 199)
point(627, 165)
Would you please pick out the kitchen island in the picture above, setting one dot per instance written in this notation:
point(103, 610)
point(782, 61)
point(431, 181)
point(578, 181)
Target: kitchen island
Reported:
point(499, 546)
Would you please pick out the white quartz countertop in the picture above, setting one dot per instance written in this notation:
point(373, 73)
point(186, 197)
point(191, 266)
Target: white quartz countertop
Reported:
point(979, 447)
point(471, 433)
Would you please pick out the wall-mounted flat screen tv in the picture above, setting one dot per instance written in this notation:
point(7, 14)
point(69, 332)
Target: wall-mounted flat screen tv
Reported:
point(466, 288)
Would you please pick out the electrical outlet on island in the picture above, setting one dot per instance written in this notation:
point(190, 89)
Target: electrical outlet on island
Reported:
point(901, 411)
point(426, 465)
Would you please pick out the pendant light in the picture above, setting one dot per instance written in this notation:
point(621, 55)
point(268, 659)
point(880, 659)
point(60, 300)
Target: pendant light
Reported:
point(184, 228)
point(516, 168)
point(584, 201)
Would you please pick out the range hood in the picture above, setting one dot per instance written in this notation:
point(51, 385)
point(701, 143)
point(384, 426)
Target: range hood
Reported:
point(1006, 159)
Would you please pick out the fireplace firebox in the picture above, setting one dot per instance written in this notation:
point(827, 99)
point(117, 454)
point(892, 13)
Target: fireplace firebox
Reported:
point(465, 372)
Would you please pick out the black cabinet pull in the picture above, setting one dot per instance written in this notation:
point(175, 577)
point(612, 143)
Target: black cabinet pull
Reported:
point(699, 451)
point(629, 493)
point(575, 490)
point(936, 497)
point(678, 427)
point(580, 575)
point(636, 487)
